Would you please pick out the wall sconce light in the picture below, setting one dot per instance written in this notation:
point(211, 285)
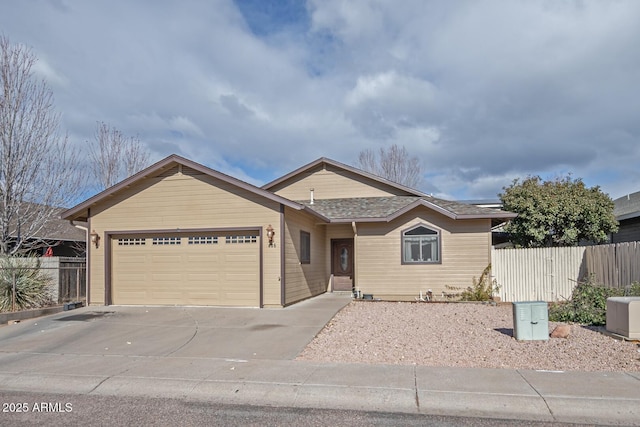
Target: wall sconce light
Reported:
point(95, 238)
point(270, 235)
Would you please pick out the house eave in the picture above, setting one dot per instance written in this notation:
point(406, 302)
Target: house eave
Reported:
point(314, 213)
point(630, 215)
point(80, 212)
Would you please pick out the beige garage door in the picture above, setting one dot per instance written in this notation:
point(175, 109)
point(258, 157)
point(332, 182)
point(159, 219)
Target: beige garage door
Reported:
point(186, 269)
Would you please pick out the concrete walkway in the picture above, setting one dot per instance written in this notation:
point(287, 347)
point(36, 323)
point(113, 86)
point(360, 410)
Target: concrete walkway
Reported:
point(102, 355)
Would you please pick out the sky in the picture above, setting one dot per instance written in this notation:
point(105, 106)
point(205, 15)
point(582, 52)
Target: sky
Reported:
point(481, 91)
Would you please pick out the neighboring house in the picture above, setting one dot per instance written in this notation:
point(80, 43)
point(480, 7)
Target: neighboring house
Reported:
point(179, 233)
point(627, 212)
point(62, 239)
point(57, 237)
point(499, 238)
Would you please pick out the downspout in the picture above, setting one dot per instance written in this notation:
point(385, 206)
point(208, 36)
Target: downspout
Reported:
point(283, 281)
point(86, 257)
point(355, 251)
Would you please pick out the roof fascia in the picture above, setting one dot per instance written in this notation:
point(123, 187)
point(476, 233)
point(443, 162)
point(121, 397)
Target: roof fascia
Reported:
point(72, 213)
point(452, 215)
point(501, 215)
point(347, 168)
point(629, 215)
point(316, 214)
point(350, 220)
point(421, 202)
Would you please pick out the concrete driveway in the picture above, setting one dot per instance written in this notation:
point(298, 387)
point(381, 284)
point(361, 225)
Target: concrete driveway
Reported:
point(208, 356)
point(207, 332)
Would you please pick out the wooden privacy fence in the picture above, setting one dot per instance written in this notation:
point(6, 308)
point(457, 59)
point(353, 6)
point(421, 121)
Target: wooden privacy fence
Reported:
point(68, 276)
point(550, 274)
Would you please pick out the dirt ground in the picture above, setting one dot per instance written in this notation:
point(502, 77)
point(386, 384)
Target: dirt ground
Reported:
point(460, 335)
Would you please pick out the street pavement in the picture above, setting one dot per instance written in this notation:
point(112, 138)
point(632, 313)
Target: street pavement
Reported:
point(246, 357)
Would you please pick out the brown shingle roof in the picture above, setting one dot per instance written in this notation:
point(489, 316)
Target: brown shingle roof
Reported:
point(387, 208)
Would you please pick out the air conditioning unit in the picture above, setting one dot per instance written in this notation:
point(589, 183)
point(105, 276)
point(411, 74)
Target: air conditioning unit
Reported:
point(623, 316)
point(530, 320)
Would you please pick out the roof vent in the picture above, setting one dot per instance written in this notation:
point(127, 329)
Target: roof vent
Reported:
point(311, 197)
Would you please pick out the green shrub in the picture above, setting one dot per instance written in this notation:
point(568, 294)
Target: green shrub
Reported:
point(32, 284)
point(588, 303)
point(481, 289)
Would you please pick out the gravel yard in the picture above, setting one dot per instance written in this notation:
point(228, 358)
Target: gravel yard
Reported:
point(460, 335)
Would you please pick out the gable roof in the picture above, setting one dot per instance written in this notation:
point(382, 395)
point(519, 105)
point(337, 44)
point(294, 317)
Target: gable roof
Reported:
point(80, 212)
point(377, 209)
point(58, 229)
point(342, 166)
point(42, 222)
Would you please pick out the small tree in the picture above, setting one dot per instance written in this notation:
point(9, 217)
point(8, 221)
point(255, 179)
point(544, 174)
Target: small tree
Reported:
point(115, 156)
point(561, 212)
point(394, 164)
point(39, 170)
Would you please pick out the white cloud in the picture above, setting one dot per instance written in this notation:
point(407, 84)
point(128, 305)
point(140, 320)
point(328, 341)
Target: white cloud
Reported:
point(481, 90)
point(45, 71)
point(382, 104)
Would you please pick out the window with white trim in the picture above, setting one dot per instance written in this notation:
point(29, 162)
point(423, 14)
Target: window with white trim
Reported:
point(203, 240)
point(166, 241)
point(420, 245)
point(132, 242)
point(241, 239)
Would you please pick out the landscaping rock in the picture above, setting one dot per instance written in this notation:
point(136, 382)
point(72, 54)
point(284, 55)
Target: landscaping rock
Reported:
point(561, 331)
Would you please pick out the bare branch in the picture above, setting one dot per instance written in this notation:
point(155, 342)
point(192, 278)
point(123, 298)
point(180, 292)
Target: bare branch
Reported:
point(38, 170)
point(136, 156)
point(115, 156)
point(394, 164)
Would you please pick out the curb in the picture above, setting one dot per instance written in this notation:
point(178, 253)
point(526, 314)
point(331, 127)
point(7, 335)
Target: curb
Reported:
point(28, 314)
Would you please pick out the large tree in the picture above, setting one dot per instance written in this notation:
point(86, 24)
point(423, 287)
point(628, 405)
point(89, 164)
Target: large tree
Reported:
point(115, 156)
point(394, 164)
point(39, 172)
point(559, 212)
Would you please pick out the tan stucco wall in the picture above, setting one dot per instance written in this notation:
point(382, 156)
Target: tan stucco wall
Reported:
point(465, 252)
point(333, 183)
point(304, 280)
point(181, 201)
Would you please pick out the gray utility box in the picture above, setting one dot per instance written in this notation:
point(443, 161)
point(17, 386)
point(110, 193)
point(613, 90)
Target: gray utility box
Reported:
point(623, 316)
point(530, 320)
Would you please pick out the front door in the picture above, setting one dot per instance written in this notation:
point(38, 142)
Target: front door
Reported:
point(342, 264)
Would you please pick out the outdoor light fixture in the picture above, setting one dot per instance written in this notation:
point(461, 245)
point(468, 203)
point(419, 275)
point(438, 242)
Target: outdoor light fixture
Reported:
point(270, 234)
point(95, 238)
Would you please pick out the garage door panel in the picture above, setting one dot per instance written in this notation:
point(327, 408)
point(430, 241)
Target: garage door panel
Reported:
point(204, 277)
point(166, 295)
point(202, 260)
point(174, 278)
point(178, 270)
point(132, 261)
point(166, 261)
point(239, 277)
point(135, 297)
point(204, 299)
